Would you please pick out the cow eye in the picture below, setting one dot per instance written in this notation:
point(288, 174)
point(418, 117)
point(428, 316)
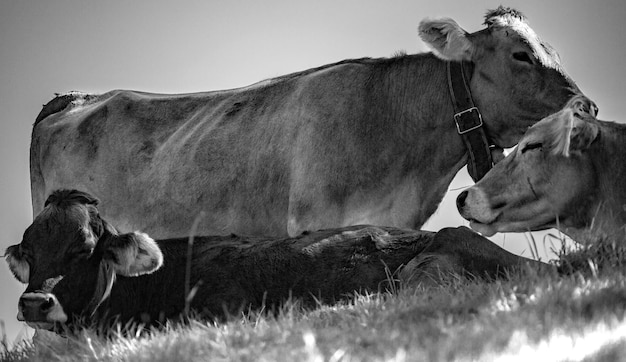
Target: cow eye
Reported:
point(531, 146)
point(523, 57)
point(84, 253)
point(77, 254)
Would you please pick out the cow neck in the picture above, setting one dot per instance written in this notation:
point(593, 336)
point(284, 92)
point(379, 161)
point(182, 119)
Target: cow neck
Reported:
point(104, 284)
point(607, 153)
point(469, 123)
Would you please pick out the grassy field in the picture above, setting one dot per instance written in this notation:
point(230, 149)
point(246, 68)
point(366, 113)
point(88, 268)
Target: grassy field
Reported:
point(575, 314)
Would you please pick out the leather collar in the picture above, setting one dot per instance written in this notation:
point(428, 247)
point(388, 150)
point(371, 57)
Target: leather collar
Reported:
point(469, 122)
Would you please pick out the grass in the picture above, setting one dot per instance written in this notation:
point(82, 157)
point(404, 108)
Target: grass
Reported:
point(574, 315)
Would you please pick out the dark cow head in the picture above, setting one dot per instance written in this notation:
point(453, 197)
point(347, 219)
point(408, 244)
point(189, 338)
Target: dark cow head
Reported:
point(69, 257)
point(517, 78)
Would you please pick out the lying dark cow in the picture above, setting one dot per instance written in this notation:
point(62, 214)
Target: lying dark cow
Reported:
point(366, 141)
point(567, 172)
point(76, 264)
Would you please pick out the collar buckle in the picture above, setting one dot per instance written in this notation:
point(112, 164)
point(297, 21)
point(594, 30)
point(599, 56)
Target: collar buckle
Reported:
point(467, 122)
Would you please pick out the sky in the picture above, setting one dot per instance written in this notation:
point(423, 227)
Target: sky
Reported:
point(181, 46)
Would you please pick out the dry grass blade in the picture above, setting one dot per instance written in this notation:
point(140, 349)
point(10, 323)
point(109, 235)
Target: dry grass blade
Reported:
point(189, 294)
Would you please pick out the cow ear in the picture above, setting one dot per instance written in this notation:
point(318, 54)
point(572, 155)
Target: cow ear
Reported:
point(573, 129)
point(18, 266)
point(132, 254)
point(446, 38)
point(583, 132)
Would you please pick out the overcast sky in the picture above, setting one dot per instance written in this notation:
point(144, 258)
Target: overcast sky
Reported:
point(188, 46)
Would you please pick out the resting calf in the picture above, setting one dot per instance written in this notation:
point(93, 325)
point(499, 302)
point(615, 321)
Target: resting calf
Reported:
point(77, 265)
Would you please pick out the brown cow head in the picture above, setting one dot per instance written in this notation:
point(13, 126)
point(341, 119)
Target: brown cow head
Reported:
point(517, 78)
point(547, 180)
point(69, 257)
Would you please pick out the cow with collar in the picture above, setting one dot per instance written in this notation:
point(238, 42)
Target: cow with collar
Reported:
point(361, 141)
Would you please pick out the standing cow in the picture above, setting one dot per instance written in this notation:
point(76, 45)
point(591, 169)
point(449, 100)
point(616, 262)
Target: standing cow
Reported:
point(365, 141)
point(567, 172)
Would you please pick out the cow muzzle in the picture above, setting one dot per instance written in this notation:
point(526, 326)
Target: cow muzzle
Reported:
point(474, 205)
point(40, 310)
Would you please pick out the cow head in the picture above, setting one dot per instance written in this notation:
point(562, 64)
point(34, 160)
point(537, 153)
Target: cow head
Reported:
point(69, 257)
point(517, 78)
point(547, 180)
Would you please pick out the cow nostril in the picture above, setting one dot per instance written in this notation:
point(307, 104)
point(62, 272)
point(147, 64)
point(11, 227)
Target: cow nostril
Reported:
point(47, 304)
point(460, 200)
point(37, 306)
